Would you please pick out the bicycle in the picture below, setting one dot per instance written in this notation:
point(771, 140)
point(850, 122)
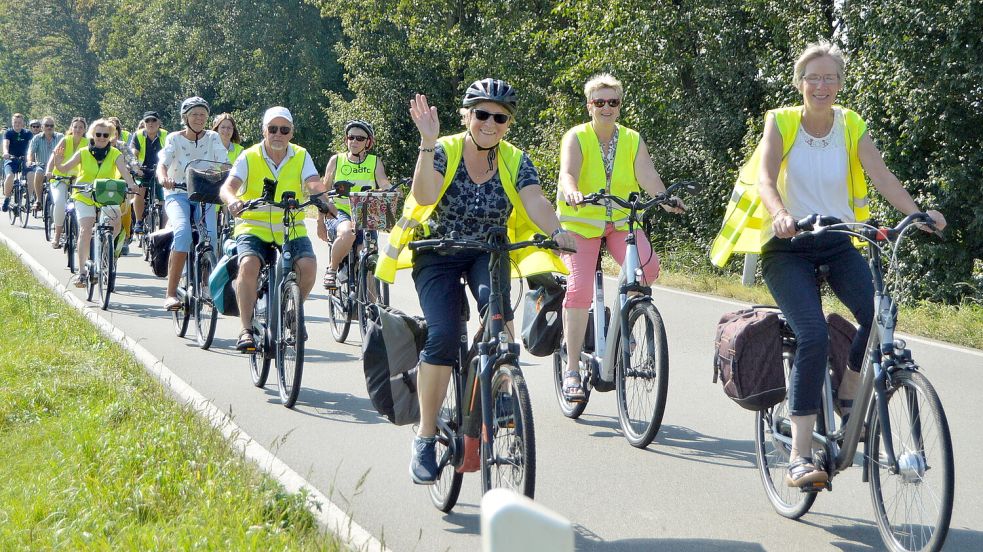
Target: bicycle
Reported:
point(507, 444)
point(204, 179)
point(895, 402)
point(153, 209)
point(278, 314)
point(20, 195)
point(101, 265)
point(70, 226)
point(356, 288)
point(638, 368)
point(47, 210)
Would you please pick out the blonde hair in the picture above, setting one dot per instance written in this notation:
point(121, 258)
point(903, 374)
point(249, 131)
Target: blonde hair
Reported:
point(102, 123)
point(814, 51)
point(603, 80)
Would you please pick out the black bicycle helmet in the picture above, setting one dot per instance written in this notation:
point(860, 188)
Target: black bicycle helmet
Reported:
point(364, 125)
point(193, 102)
point(492, 90)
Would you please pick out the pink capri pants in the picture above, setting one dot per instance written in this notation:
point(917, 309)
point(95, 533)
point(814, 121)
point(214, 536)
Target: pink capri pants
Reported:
point(580, 282)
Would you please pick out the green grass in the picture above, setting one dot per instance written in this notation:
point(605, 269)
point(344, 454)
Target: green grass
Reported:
point(960, 325)
point(96, 454)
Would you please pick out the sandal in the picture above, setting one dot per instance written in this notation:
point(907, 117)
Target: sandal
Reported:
point(81, 279)
point(573, 392)
point(803, 473)
point(246, 342)
point(330, 279)
point(172, 304)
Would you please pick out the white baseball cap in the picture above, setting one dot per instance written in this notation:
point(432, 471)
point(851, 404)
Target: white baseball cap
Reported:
point(277, 111)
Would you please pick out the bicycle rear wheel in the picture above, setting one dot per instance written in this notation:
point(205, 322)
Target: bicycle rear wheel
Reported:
point(642, 386)
point(47, 216)
point(340, 307)
point(290, 350)
point(444, 491)
point(107, 268)
point(259, 360)
point(512, 454)
point(913, 507)
point(772, 456)
point(369, 291)
point(206, 316)
point(182, 315)
point(569, 409)
point(25, 205)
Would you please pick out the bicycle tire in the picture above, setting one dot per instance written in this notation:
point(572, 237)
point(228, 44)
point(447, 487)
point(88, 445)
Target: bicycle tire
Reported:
point(642, 387)
point(206, 317)
point(917, 422)
point(571, 410)
point(259, 360)
point(772, 458)
point(340, 306)
point(290, 349)
point(13, 205)
point(47, 214)
point(107, 267)
point(447, 488)
point(182, 315)
point(366, 293)
point(71, 240)
point(514, 447)
point(90, 266)
point(25, 205)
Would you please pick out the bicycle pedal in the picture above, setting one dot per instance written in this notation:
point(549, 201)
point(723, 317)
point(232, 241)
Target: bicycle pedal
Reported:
point(814, 488)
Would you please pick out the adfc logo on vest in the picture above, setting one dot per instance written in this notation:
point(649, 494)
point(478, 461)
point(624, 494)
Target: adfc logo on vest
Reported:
point(349, 170)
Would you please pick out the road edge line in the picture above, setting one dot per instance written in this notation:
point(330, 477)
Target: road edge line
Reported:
point(330, 517)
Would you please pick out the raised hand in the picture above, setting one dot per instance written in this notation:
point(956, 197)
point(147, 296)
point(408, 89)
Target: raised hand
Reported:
point(425, 119)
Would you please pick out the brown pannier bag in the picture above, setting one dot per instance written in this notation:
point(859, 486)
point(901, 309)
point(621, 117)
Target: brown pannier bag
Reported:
point(748, 360)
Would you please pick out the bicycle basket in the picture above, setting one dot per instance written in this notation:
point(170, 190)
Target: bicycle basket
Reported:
point(205, 179)
point(375, 210)
point(109, 191)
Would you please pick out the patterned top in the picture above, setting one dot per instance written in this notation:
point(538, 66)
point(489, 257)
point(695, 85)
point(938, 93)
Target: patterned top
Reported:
point(42, 148)
point(608, 159)
point(472, 209)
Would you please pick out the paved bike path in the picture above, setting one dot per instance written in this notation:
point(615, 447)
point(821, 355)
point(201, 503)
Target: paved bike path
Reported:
point(694, 488)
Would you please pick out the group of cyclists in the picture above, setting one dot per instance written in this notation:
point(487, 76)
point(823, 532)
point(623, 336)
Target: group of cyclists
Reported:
point(813, 158)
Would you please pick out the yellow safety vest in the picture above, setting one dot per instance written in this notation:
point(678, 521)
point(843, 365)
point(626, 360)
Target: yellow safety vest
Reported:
point(70, 147)
point(746, 216)
point(92, 170)
point(589, 220)
point(142, 139)
point(361, 175)
point(266, 222)
point(526, 261)
point(234, 152)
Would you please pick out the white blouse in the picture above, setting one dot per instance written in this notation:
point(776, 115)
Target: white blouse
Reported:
point(179, 152)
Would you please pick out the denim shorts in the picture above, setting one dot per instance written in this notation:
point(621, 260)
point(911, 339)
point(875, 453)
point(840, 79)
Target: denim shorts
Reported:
point(248, 244)
point(332, 226)
point(12, 166)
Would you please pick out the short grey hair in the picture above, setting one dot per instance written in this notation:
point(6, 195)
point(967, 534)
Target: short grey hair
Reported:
point(813, 51)
point(601, 81)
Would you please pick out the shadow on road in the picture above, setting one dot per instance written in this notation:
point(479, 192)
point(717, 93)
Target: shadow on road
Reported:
point(698, 447)
point(861, 535)
point(587, 540)
point(338, 407)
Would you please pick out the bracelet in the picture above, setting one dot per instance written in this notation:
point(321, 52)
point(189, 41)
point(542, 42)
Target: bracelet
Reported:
point(557, 231)
point(428, 150)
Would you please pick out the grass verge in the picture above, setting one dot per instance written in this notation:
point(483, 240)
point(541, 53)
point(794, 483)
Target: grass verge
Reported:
point(96, 454)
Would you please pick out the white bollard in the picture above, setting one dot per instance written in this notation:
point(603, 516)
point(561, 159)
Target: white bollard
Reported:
point(511, 522)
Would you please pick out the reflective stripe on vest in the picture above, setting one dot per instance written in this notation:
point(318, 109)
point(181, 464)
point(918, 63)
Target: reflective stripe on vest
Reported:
point(526, 262)
point(361, 175)
point(92, 170)
point(745, 217)
point(266, 222)
point(142, 139)
point(70, 147)
point(589, 220)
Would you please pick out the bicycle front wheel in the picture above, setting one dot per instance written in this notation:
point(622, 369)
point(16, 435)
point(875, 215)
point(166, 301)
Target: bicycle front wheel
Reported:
point(444, 492)
point(25, 206)
point(259, 360)
point(71, 240)
point(509, 461)
point(340, 307)
point(14, 205)
point(47, 216)
point(290, 350)
point(772, 455)
point(914, 505)
point(642, 386)
point(206, 316)
point(182, 315)
point(107, 268)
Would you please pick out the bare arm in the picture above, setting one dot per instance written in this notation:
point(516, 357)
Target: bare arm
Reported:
point(329, 171)
point(381, 180)
point(649, 179)
point(68, 165)
point(541, 212)
point(426, 181)
point(887, 184)
point(125, 172)
point(230, 194)
point(6, 148)
point(571, 160)
point(771, 161)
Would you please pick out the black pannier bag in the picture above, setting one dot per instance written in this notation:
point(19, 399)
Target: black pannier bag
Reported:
point(542, 315)
point(390, 359)
point(160, 250)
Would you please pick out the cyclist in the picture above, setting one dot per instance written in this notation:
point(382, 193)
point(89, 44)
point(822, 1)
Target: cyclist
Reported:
point(193, 143)
point(146, 144)
point(121, 134)
point(466, 183)
point(366, 172)
point(73, 141)
point(227, 128)
point(15, 143)
point(39, 153)
point(35, 127)
point(812, 159)
point(599, 156)
point(258, 230)
point(98, 160)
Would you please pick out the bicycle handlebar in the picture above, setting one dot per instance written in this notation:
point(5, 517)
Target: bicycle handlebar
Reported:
point(453, 243)
point(814, 225)
point(634, 201)
point(289, 203)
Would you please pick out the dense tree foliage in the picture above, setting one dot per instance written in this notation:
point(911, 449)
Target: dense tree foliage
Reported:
point(699, 76)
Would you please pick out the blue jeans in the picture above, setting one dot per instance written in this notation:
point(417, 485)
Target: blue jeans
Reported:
point(179, 212)
point(438, 285)
point(789, 270)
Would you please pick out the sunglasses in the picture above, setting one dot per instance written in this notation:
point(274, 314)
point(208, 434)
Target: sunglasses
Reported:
point(613, 102)
point(151, 120)
point(482, 115)
point(284, 130)
point(35, 126)
point(100, 134)
point(357, 138)
point(49, 126)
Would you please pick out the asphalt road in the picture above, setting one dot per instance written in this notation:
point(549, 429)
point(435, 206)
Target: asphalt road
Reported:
point(695, 487)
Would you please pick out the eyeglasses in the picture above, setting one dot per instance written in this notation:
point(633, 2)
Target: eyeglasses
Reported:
point(816, 79)
point(352, 137)
point(482, 115)
point(284, 130)
point(49, 126)
point(613, 102)
point(100, 134)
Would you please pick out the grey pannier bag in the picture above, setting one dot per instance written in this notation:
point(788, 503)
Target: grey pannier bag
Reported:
point(390, 358)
